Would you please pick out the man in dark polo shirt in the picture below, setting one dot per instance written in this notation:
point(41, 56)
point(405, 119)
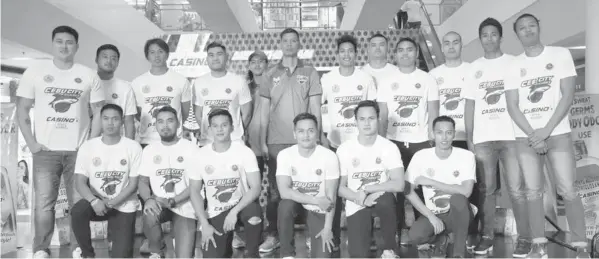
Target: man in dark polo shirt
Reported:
point(292, 88)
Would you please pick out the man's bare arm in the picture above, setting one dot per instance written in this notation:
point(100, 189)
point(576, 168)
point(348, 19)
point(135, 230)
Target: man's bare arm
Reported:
point(96, 120)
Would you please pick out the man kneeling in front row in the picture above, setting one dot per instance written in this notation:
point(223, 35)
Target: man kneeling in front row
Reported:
point(446, 198)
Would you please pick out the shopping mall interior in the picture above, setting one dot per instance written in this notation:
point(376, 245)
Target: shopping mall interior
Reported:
point(247, 25)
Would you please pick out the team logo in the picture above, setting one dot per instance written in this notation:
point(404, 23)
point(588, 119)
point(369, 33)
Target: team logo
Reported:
point(478, 74)
point(417, 85)
point(115, 96)
point(440, 81)
point(171, 178)
point(440, 199)
point(48, 79)
point(145, 89)
point(111, 180)
point(452, 98)
point(348, 104)
point(494, 90)
point(276, 81)
point(63, 98)
point(367, 178)
point(180, 159)
point(318, 172)
point(225, 188)
point(309, 188)
point(456, 173)
point(355, 162)
point(96, 161)
point(169, 88)
point(360, 87)
point(395, 86)
point(123, 162)
point(205, 91)
point(78, 80)
point(549, 66)
point(536, 92)
point(522, 72)
point(209, 169)
point(234, 167)
point(378, 160)
point(217, 104)
point(157, 159)
point(407, 104)
point(301, 79)
point(335, 88)
point(157, 102)
point(293, 170)
point(430, 172)
point(228, 90)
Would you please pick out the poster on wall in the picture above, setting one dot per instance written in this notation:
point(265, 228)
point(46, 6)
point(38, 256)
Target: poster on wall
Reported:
point(8, 167)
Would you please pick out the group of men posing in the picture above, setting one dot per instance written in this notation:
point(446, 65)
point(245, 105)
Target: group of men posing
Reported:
point(448, 128)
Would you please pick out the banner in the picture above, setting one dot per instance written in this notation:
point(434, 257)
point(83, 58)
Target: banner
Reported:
point(9, 138)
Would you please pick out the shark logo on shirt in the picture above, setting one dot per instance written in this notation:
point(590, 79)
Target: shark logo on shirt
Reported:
point(407, 104)
point(348, 104)
point(111, 180)
point(538, 86)
point(494, 90)
point(452, 98)
point(440, 199)
point(157, 102)
point(367, 178)
point(225, 188)
point(309, 188)
point(217, 104)
point(171, 177)
point(63, 98)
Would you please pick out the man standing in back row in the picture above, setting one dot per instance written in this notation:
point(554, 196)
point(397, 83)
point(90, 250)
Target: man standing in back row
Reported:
point(292, 88)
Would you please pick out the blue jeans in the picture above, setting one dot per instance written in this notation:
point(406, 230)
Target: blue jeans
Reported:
point(488, 154)
point(48, 167)
point(562, 165)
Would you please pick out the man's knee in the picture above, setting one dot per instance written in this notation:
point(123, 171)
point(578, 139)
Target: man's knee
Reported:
point(568, 193)
point(150, 220)
point(458, 201)
point(387, 200)
point(417, 236)
point(80, 208)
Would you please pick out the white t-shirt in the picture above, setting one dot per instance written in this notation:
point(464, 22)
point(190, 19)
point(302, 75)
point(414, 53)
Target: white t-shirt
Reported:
point(168, 168)
point(450, 81)
point(61, 103)
point(343, 93)
point(308, 174)
point(228, 92)
point(154, 92)
point(407, 97)
point(389, 70)
point(538, 83)
point(486, 87)
point(366, 165)
point(120, 92)
point(458, 167)
point(108, 168)
point(225, 175)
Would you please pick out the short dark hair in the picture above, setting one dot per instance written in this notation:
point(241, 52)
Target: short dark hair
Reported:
point(404, 39)
point(108, 47)
point(111, 106)
point(289, 30)
point(168, 108)
point(216, 44)
point(378, 35)
point(158, 42)
point(304, 116)
point(220, 112)
point(347, 39)
point(66, 29)
point(367, 103)
point(524, 16)
point(443, 118)
point(490, 22)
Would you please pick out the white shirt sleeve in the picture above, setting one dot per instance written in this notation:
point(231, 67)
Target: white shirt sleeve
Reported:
point(245, 96)
point(130, 106)
point(511, 75)
point(392, 157)
point(343, 170)
point(414, 168)
point(82, 163)
point(382, 94)
point(137, 92)
point(567, 64)
point(198, 97)
point(135, 160)
point(146, 161)
point(26, 87)
point(250, 164)
point(433, 88)
point(370, 89)
point(469, 85)
point(283, 164)
point(470, 166)
point(96, 91)
point(186, 92)
point(332, 166)
point(196, 167)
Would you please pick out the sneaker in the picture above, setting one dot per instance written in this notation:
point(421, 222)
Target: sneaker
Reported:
point(440, 250)
point(237, 241)
point(581, 252)
point(145, 247)
point(538, 250)
point(485, 246)
point(471, 242)
point(77, 253)
point(271, 243)
point(389, 254)
point(405, 239)
point(522, 248)
point(424, 251)
point(155, 256)
point(41, 254)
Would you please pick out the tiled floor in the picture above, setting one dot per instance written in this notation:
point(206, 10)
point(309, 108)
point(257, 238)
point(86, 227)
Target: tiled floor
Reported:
point(502, 249)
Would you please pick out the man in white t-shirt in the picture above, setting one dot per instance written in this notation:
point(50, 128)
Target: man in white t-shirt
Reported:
point(378, 66)
point(307, 178)
point(221, 89)
point(116, 90)
point(539, 94)
point(106, 178)
point(446, 175)
point(371, 172)
point(413, 8)
point(490, 134)
point(158, 88)
point(63, 93)
point(229, 172)
point(164, 187)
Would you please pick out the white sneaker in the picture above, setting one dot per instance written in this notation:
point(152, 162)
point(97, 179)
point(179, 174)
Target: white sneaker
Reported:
point(77, 253)
point(41, 254)
point(145, 247)
point(155, 256)
point(237, 241)
point(389, 254)
point(271, 243)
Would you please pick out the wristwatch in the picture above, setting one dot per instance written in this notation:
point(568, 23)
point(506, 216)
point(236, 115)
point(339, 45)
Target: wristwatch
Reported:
point(172, 203)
